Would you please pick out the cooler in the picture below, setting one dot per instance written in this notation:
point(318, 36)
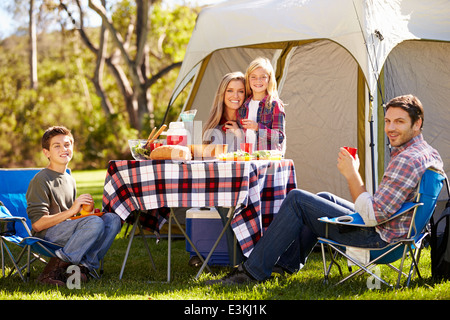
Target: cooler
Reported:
point(203, 226)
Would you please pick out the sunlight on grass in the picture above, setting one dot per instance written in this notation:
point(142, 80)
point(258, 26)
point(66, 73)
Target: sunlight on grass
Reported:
point(141, 282)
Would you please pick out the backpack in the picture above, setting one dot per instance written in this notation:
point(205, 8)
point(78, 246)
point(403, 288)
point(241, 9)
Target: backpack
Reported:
point(440, 243)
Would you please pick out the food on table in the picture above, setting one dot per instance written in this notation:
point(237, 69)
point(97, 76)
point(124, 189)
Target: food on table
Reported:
point(152, 138)
point(140, 150)
point(171, 152)
point(238, 155)
point(207, 151)
point(245, 156)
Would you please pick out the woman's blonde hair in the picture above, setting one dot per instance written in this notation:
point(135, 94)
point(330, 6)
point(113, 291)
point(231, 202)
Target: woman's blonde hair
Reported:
point(272, 90)
point(218, 106)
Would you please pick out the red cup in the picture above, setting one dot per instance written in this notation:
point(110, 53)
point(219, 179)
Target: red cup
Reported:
point(247, 147)
point(352, 151)
point(155, 145)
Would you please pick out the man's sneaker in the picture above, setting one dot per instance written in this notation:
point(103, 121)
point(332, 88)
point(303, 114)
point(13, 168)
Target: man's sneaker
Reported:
point(281, 271)
point(238, 276)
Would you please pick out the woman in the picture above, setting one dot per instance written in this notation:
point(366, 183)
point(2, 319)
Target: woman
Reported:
point(222, 126)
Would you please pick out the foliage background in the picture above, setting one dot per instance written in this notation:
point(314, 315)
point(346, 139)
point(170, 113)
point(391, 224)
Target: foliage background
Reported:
point(66, 95)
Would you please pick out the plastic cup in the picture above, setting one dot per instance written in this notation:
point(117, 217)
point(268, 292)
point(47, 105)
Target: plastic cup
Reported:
point(352, 151)
point(188, 115)
point(247, 147)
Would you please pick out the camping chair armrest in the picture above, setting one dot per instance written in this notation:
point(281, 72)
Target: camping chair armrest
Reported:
point(13, 219)
point(353, 219)
point(356, 220)
point(22, 220)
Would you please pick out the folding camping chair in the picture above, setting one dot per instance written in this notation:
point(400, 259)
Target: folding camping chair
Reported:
point(15, 230)
point(15, 223)
point(422, 209)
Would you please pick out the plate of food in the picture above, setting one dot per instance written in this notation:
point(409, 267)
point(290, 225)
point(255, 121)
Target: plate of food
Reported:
point(245, 156)
point(235, 156)
point(86, 211)
point(267, 155)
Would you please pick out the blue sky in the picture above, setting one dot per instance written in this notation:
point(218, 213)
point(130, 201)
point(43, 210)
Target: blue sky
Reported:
point(8, 26)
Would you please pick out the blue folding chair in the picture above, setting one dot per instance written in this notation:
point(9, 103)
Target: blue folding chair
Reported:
point(16, 227)
point(18, 233)
point(422, 210)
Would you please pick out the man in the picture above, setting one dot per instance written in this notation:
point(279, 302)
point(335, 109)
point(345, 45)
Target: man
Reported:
point(290, 238)
point(51, 202)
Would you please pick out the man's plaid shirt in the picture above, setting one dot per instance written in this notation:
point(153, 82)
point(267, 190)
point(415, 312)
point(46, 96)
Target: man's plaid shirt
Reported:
point(399, 184)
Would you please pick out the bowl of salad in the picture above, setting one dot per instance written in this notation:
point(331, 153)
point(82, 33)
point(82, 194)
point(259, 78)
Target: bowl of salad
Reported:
point(137, 149)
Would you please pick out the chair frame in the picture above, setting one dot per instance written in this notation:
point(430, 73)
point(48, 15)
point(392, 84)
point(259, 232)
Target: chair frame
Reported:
point(27, 244)
point(412, 244)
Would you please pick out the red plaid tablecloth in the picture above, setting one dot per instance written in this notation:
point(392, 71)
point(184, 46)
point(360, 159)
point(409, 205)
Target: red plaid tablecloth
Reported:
point(255, 188)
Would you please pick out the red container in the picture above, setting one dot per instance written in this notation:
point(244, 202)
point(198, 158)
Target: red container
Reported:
point(247, 147)
point(352, 151)
point(177, 139)
point(155, 145)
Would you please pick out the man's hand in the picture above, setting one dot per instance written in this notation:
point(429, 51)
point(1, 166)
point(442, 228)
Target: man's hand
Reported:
point(348, 167)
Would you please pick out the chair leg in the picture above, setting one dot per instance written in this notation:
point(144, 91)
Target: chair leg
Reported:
point(326, 271)
point(16, 266)
point(415, 256)
point(28, 263)
point(3, 257)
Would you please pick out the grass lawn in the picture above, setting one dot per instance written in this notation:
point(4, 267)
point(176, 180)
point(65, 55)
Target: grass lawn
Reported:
point(141, 282)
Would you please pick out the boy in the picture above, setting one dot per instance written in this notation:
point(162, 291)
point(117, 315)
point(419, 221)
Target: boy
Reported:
point(51, 201)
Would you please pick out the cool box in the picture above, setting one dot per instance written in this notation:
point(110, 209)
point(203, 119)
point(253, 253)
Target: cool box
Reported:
point(203, 226)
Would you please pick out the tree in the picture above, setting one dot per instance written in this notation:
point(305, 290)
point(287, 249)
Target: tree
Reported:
point(33, 48)
point(128, 60)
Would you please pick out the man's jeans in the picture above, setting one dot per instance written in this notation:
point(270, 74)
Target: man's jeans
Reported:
point(293, 233)
point(85, 240)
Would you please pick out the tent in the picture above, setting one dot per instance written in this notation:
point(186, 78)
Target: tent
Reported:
point(336, 61)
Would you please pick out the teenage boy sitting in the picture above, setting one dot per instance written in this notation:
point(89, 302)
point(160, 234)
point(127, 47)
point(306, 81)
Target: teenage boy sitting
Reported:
point(52, 200)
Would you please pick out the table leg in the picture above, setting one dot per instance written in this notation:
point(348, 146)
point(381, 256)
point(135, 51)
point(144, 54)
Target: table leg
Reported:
point(129, 246)
point(169, 244)
point(133, 230)
point(172, 215)
point(205, 263)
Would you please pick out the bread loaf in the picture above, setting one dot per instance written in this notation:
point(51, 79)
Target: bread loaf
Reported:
point(171, 152)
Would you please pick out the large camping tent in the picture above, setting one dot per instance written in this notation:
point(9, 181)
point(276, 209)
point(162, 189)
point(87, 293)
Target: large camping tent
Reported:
point(337, 61)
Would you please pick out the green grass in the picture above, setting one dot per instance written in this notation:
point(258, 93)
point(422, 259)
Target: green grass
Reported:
point(141, 282)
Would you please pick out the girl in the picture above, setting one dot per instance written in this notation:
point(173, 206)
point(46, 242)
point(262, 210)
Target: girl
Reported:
point(262, 115)
point(221, 126)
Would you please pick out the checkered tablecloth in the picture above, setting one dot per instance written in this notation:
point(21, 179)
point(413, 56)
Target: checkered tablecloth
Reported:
point(255, 188)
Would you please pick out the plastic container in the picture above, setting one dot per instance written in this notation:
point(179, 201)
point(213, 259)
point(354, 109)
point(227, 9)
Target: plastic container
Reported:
point(203, 226)
point(177, 134)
